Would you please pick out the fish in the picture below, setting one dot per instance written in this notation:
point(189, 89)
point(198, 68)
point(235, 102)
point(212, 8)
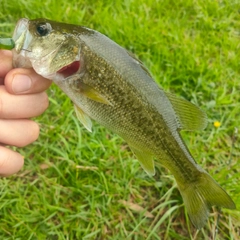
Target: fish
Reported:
point(109, 85)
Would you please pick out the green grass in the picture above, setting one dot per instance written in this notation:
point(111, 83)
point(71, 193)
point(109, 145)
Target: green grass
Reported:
point(77, 185)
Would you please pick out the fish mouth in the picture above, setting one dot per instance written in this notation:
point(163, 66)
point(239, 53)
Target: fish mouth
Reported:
point(69, 69)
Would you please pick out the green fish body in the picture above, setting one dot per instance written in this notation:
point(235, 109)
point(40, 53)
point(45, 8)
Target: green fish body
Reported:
point(109, 85)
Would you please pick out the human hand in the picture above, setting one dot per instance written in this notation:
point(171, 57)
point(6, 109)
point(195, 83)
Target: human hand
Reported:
point(22, 96)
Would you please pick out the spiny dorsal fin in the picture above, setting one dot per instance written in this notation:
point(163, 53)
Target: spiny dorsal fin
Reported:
point(190, 116)
point(146, 161)
point(83, 118)
point(140, 63)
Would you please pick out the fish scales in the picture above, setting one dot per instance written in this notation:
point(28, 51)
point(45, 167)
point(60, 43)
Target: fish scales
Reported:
point(135, 121)
point(110, 85)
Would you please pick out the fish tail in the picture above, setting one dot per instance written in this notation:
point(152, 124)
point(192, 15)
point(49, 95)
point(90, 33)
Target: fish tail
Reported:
point(201, 195)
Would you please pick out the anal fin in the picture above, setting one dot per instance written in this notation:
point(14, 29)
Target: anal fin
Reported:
point(146, 161)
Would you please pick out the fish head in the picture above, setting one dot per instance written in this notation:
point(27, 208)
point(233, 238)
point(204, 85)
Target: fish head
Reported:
point(52, 49)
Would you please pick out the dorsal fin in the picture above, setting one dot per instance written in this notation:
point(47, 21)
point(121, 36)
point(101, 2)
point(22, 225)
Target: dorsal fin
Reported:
point(190, 116)
point(140, 63)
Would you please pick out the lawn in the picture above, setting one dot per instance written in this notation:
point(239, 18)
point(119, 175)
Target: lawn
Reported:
point(81, 185)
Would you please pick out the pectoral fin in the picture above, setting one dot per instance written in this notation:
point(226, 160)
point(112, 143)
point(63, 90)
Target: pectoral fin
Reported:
point(146, 161)
point(93, 94)
point(83, 118)
point(190, 117)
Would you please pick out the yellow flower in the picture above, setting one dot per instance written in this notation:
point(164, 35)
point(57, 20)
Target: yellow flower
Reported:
point(217, 124)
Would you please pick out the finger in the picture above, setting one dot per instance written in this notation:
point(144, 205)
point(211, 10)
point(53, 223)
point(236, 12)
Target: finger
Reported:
point(25, 81)
point(10, 161)
point(19, 133)
point(5, 64)
point(22, 106)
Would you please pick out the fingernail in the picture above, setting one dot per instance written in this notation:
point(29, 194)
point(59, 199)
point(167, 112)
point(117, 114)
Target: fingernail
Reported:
point(21, 83)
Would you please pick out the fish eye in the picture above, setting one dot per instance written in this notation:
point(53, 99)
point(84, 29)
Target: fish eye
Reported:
point(43, 29)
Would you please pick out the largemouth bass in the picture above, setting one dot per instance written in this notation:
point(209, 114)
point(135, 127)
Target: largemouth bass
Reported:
point(109, 85)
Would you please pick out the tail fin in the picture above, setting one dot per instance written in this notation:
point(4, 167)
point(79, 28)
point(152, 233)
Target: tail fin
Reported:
point(200, 196)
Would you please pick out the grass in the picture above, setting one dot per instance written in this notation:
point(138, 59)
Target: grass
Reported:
point(77, 185)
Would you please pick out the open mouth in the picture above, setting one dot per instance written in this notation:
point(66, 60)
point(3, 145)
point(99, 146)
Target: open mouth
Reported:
point(70, 69)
